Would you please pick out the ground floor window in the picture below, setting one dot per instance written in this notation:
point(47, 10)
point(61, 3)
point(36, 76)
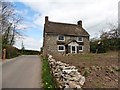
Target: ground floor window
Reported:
point(61, 48)
point(80, 48)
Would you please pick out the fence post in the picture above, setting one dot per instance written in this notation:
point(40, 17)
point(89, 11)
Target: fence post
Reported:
point(4, 54)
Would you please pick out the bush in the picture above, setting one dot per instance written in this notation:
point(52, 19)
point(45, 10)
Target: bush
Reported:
point(107, 45)
point(11, 52)
point(112, 44)
point(94, 46)
point(101, 49)
point(29, 52)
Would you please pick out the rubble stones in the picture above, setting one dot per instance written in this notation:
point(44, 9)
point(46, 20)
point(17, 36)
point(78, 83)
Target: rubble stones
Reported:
point(82, 80)
point(72, 84)
point(65, 75)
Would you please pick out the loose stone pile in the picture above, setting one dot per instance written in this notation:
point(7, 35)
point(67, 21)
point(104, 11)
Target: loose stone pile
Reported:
point(65, 75)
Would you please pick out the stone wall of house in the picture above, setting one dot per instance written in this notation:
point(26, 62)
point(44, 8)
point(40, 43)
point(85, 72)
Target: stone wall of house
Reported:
point(86, 45)
point(66, 76)
point(51, 43)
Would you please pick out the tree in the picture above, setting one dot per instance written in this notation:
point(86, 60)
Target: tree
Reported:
point(22, 45)
point(22, 48)
point(97, 46)
point(112, 33)
point(110, 38)
point(10, 21)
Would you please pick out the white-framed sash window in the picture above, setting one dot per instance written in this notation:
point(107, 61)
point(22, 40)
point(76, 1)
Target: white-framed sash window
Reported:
point(61, 48)
point(80, 39)
point(80, 48)
point(61, 38)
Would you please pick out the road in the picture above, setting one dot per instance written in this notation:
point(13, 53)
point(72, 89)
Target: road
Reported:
point(22, 72)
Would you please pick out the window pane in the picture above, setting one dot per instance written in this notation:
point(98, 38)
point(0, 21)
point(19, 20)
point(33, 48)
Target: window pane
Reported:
point(79, 38)
point(61, 37)
point(80, 47)
point(61, 47)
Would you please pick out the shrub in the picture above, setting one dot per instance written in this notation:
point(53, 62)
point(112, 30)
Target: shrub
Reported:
point(93, 45)
point(11, 52)
point(29, 52)
point(101, 49)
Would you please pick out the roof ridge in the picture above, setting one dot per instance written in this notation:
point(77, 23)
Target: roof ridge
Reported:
point(63, 23)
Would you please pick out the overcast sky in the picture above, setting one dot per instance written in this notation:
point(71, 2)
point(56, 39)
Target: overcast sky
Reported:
point(95, 14)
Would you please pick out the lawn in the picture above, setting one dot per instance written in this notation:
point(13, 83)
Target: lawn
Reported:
point(100, 70)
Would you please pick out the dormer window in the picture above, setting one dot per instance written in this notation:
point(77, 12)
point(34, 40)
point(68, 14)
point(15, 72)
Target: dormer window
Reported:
point(80, 39)
point(61, 38)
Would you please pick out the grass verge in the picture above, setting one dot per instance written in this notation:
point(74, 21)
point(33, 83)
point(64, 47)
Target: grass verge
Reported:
point(47, 78)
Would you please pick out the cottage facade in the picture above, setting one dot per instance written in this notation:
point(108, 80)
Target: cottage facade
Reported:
point(64, 38)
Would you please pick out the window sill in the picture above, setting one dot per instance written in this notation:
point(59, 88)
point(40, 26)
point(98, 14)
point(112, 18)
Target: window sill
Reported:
point(79, 41)
point(61, 50)
point(60, 40)
point(80, 50)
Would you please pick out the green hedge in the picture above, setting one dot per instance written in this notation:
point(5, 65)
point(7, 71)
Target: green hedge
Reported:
point(107, 45)
point(94, 46)
point(11, 52)
point(29, 52)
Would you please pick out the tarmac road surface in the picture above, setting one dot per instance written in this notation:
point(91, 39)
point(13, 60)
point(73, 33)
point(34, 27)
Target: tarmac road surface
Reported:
point(22, 72)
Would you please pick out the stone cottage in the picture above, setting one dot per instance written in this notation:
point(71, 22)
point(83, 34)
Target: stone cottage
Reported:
point(64, 38)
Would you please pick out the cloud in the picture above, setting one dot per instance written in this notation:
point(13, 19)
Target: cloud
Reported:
point(29, 43)
point(94, 14)
point(23, 12)
point(91, 12)
point(22, 26)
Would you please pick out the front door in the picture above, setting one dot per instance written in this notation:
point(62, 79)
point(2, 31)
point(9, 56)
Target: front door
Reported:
point(73, 49)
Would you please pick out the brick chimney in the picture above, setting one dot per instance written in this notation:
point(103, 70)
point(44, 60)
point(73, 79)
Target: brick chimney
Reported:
point(79, 23)
point(46, 20)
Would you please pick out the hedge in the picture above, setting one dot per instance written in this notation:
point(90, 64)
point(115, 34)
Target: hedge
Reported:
point(11, 51)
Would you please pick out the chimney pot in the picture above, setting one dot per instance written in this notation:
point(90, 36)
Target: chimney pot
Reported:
point(46, 19)
point(80, 22)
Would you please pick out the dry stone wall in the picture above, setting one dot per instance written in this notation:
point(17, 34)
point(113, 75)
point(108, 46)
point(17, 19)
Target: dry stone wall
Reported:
point(65, 75)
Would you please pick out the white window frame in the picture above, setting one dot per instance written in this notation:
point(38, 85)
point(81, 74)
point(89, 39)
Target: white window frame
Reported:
point(78, 39)
point(58, 38)
point(82, 48)
point(60, 50)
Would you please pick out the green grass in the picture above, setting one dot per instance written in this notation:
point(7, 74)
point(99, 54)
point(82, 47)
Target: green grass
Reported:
point(47, 77)
point(87, 57)
point(83, 56)
point(91, 56)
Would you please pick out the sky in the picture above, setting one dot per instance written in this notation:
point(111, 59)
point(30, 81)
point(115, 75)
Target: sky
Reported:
point(95, 15)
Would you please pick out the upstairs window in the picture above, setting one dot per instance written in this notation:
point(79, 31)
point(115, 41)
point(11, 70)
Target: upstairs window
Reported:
point(80, 39)
point(61, 38)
